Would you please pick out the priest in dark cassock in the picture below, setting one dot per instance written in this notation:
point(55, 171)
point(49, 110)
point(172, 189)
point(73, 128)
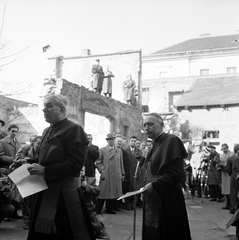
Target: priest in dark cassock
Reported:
point(59, 213)
point(164, 212)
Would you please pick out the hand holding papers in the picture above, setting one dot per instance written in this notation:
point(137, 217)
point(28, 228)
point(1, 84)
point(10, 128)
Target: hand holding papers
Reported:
point(129, 194)
point(27, 184)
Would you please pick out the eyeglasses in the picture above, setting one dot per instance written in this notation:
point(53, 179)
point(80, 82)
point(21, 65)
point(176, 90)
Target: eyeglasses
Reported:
point(14, 131)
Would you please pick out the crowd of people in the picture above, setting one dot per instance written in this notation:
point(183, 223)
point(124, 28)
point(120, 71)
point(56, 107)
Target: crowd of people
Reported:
point(214, 175)
point(68, 160)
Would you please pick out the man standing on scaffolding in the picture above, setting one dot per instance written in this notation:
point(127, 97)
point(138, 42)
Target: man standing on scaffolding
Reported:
point(214, 176)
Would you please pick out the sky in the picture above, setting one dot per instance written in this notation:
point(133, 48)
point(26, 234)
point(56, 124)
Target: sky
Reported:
point(103, 26)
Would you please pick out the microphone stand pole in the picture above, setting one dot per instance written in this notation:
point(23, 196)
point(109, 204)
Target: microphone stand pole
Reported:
point(135, 198)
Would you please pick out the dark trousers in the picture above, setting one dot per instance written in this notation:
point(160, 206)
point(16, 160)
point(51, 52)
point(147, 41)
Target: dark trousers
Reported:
point(215, 191)
point(110, 204)
point(26, 209)
point(6, 210)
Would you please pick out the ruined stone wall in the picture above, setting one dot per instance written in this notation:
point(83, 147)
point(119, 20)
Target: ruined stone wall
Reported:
point(123, 118)
point(78, 69)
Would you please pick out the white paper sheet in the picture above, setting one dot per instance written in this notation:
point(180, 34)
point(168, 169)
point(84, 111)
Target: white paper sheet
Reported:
point(129, 194)
point(27, 184)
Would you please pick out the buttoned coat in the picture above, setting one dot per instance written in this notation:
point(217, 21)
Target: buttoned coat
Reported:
point(8, 150)
point(110, 165)
point(132, 164)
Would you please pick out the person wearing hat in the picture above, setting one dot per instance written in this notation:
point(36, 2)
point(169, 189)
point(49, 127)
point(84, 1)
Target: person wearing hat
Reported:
point(2, 133)
point(110, 166)
point(98, 76)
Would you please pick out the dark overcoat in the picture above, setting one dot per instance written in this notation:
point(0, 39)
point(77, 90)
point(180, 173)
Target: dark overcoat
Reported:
point(164, 212)
point(131, 168)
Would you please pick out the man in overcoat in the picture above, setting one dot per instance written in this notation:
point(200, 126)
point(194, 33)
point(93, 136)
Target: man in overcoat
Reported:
point(98, 76)
point(110, 166)
point(133, 157)
point(8, 149)
point(92, 156)
point(164, 212)
point(9, 146)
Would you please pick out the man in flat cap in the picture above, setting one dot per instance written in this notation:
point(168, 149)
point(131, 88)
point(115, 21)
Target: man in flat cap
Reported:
point(110, 166)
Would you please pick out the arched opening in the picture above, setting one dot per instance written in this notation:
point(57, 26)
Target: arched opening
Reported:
point(98, 126)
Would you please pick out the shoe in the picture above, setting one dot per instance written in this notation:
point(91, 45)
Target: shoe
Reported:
point(226, 208)
point(213, 200)
point(232, 210)
point(110, 211)
point(220, 200)
point(16, 216)
point(103, 236)
point(127, 207)
point(117, 209)
point(26, 226)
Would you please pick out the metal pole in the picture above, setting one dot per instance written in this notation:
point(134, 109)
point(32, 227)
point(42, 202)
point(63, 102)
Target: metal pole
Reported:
point(135, 199)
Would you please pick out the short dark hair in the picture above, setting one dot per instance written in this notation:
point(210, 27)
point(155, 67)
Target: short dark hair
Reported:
point(225, 145)
point(12, 126)
point(133, 137)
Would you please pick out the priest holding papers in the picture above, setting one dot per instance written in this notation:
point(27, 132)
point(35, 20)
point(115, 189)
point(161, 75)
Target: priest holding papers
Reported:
point(164, 211)
point(58, 212)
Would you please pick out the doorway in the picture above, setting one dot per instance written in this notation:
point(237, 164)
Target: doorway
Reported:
point(98, 127)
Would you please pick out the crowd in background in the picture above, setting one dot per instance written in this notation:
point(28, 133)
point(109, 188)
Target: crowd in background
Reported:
point(118, 163)
point(213, 175)
point(121, 165)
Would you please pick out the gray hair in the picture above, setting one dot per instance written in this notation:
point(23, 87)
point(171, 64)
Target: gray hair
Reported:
point(160, 119)
point(59, 101)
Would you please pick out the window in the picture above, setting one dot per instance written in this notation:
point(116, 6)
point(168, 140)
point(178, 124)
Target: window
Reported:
point(163, 74)
point(145, 96)
point(231, 70)
point(204, 72)
point(125, 130)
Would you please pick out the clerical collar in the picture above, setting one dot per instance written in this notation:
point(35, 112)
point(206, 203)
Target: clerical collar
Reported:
point(159, 135)
point(58, 123)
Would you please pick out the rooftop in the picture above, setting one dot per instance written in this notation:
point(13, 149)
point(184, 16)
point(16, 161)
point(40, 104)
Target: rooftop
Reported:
point(203, 43)
point(211, 91)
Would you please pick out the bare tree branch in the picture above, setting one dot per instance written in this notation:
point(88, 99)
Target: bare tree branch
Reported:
point(7, 63)
point(3, 17)
point(15, 53)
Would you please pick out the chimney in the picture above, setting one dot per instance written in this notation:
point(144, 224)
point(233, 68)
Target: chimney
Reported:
point(85, 52)
point(205, 35)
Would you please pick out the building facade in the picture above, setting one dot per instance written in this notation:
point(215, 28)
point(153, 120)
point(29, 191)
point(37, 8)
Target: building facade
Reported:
point(169, 74)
